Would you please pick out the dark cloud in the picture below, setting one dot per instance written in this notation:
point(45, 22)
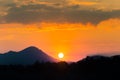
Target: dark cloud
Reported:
point(37, 13)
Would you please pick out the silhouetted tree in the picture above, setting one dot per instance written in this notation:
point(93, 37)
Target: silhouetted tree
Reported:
point(90, 68)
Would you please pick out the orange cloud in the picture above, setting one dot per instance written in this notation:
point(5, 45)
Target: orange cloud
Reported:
point(82, 3)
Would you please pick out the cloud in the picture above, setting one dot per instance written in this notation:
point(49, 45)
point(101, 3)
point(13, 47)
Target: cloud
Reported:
point(36, 13)
point(109, 5)
point(83, 2)
point(65, 11)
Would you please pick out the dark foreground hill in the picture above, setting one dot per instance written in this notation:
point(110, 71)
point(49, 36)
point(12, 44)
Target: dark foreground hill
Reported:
point(27, 56)
point(90, 68)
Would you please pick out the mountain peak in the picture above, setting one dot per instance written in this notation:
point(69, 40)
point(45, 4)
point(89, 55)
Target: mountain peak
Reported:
point(31, 49)
point(26, 56)
point(10, 52)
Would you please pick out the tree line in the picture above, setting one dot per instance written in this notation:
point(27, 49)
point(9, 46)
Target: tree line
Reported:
point(90, 68)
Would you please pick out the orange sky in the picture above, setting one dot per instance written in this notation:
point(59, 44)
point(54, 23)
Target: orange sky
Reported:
point(75, 41)
point(75, 27)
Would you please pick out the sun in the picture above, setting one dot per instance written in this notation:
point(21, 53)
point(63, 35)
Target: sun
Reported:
point(60, 55)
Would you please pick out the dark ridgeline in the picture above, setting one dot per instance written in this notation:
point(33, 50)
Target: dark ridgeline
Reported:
point(27, 56)
point(90, 68)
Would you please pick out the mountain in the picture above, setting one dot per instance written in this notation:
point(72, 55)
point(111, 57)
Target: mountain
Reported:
point(100, 58)
point(27, 56)
point(91, 59)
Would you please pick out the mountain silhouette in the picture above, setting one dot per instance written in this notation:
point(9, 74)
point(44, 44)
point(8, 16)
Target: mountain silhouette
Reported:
point(27, 56)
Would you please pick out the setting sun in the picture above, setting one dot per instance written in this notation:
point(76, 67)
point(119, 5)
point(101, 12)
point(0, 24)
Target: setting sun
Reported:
point(60, 55)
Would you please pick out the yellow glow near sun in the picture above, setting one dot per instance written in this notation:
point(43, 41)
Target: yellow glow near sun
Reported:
point(60, 55)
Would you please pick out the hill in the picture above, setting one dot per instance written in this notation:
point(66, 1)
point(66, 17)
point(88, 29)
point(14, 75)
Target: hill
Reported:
point(27, 56)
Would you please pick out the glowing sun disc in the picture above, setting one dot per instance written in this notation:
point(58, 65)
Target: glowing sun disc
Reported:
point(60, 55)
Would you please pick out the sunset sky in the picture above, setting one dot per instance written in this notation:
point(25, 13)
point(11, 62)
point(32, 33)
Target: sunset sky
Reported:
point(76, 28)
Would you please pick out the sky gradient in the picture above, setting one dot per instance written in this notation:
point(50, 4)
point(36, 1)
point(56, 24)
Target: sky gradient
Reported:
point(75, 27)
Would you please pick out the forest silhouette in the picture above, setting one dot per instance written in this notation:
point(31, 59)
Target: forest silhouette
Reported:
point(90, 68)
